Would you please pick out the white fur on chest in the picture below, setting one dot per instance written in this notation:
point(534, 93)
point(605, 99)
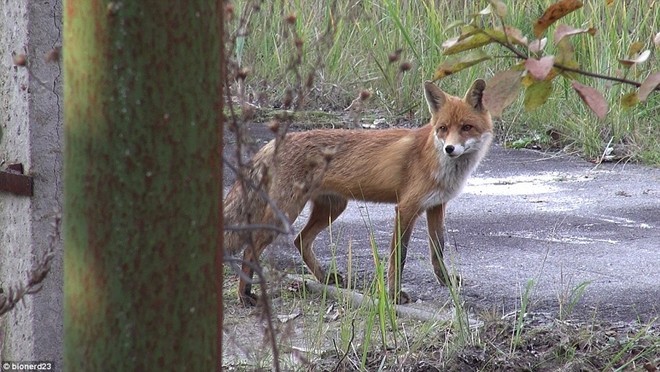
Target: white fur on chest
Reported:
point(450, 182)
point(452, 173)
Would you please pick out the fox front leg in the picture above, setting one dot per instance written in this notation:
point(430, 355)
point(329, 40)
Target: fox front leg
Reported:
point(436, 225)
point(405, 220)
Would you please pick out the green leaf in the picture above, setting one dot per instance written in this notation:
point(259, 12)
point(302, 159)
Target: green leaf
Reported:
point(454, 65)
point(455, 24)
point(501, 90)
point(521, 143)
point(555, 12)
point(592, 98)
point(486, 11)
point(473, 37)
point(537, 94)
point(648, 85)
point(499, 7)
point(514, 35)
point(566, 54)
point(540, 68)
point(472, 42)
point(641, 58)
point(566, 58)
point(629, 100)
point(635, 48)
point(536, 46)
point(563, 31)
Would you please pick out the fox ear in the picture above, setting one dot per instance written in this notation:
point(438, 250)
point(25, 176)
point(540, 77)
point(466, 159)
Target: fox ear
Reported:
point(435, 98)
point(474, 96)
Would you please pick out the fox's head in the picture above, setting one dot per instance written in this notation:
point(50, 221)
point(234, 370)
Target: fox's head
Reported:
point(461, 126)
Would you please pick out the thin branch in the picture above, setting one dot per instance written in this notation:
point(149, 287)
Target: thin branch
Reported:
point(600, 76)
point(256, 226)
point(35, 277)
point(506, 44)
point(348, 346)
point(520, 55)
point(357, 300)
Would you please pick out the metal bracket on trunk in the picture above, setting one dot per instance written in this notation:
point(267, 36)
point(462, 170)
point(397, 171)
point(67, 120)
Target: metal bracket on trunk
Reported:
point(12, 180)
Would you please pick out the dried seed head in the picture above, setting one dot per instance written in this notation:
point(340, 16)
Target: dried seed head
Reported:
point(229, 11)
point(291, 18)
point(53, 55)
point(405, 66)
point(247, 111)
point(274, 126)
point(20, 59)
point(393, 57)
point(299, 42)
point(113, 8)
point(288, 98)
point(310, 80)
point(365, 95)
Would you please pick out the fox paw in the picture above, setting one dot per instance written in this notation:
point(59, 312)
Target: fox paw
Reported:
point(335, 279)
point(451, 280)
point(401, 299)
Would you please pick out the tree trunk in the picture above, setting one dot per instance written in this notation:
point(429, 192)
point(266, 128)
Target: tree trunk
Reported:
point(143, 183)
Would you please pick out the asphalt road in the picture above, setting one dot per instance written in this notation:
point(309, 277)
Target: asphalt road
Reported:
point(553, 219)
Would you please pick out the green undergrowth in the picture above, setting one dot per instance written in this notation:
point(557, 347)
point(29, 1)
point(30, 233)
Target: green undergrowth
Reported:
point(302, 119)
point(321, 331)
point(315, 332)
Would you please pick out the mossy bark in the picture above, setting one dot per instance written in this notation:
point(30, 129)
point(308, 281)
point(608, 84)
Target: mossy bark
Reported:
point(142, 175)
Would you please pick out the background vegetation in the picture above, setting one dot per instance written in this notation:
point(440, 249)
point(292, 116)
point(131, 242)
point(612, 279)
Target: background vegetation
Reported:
point(390, 46)
point(306, 62)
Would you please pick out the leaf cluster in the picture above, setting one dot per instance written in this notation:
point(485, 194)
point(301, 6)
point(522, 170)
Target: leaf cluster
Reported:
point(536, 70)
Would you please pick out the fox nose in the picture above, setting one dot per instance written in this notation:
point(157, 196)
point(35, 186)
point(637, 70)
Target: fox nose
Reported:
point(449, 149)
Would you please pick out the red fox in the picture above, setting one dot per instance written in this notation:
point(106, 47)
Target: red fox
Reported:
point(419, 170)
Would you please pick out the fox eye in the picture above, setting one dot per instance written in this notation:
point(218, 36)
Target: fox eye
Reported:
point(442, 128)
point(466, 128)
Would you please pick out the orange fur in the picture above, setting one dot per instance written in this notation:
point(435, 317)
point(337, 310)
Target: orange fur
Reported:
point(419, 170)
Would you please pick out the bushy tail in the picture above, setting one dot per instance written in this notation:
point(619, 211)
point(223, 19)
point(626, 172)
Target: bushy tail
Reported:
point(246, 205)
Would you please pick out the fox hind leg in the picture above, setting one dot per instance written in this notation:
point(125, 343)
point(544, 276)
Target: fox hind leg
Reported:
point(260, 240)
point(325, 209)
point(250, 263)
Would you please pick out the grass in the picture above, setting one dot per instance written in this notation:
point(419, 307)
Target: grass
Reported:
point(329, 334)
point(314, 341)
point(349, 46)
point(388, 48)
point(357, 339)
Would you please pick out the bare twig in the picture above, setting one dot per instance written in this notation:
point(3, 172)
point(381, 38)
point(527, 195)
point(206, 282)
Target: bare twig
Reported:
point(246, 183)
point(256, 226)
point(520, 55)
point(600, 76)
point(17, 292)
point(357, 299)
point(348, 346)
point(254, 188)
